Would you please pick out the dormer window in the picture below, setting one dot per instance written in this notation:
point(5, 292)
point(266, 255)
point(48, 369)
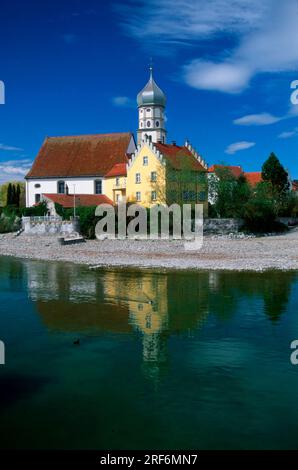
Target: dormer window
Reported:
point(61, 187)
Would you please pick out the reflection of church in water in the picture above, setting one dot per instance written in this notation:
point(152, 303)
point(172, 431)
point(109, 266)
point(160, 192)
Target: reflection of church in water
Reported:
point(96, 302)
point(154, 305)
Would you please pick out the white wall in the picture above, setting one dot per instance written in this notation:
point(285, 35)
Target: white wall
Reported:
point(50, 185)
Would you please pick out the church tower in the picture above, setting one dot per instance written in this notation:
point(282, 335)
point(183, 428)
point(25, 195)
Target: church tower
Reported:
point(151, 105)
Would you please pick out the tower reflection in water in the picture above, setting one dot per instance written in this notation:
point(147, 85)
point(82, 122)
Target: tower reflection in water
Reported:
point(154, 305)
point(84, 302)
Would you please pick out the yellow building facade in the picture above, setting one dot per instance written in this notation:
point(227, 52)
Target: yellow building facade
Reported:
point(157, 172)
point(160, 174)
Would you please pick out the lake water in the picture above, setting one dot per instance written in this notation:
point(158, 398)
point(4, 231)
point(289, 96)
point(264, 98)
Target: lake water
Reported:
point(166, 360)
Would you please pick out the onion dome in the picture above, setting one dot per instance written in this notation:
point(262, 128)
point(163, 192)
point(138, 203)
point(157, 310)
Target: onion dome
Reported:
point(151, 94)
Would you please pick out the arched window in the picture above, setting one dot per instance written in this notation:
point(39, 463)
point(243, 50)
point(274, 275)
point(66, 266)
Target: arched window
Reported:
point(98, 187)
point(157, 123)
point(148, 123)
point(61, 187)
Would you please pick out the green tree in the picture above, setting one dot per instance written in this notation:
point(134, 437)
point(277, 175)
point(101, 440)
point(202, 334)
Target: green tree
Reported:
point(13, 195)
point(9, 199)
point(274, 173)
point(18, 195)
point(229, 193)
point(260, 211)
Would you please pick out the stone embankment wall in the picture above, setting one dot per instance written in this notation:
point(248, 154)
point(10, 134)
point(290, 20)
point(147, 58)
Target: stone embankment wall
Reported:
point(49, 225)
point(222, 226)
point(288, 220)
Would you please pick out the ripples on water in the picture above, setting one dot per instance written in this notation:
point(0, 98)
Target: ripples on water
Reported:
point(166, 359)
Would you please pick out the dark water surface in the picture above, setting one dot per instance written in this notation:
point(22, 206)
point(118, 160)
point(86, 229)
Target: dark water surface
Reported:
point(166, 359)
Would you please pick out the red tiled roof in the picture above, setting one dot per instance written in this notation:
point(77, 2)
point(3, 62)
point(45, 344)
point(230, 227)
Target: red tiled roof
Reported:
point(118, 170)
point(80, 155)
point(235, 170)
point(253, 177)
point(84, 200)
point(178, 156)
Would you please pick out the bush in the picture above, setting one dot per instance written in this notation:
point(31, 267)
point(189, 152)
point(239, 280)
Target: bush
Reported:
point(259, 216)
point(288, 205)
point(9, 222)
point(260, 211)
point(87, 220)
point(229, 193)
point(35, 211)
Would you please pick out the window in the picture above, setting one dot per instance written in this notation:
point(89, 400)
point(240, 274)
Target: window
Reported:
point(157, 123)
point(37, 198)
point(153, 176)
point(141, 124)
point(189, 195)
point(145, 161)
point(153, 195)
point(138, 196)
point(202, 196)
point(148, 110)
point(148, 322)
point(138, 178)
point(37, 185)
point(148, 123)
point(98, 187)
point(61, 187)
point(117, 181)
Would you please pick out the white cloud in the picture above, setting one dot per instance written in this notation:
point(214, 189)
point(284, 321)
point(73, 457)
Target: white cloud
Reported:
point(266, 36)
point(11, 170)
point(10, 148)
point(226, 77)
point(262, 119)
point(288, 134)
point(123, 101)
point(265, 119)
point(237, 146)
point(182, 21)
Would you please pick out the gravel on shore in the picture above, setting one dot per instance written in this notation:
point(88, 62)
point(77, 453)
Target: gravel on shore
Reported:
point(218, 253)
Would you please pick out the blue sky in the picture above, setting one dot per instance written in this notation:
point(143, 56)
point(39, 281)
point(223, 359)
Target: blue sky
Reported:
point(75, 67)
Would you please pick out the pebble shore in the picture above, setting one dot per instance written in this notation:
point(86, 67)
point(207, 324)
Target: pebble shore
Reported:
point(236, 253)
